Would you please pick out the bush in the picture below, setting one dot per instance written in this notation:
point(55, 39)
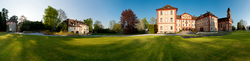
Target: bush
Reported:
point(151, 29)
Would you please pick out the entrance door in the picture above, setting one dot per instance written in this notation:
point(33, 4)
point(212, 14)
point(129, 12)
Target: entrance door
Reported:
point(201, 29)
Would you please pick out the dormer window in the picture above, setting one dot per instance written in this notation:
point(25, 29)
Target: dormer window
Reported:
point(168, 7)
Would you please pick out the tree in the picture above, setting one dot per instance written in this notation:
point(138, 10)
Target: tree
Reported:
point(63, 26)
point(22, 19)
point(51, 18)
point(140, 25)
point(243, 24)
point(89, 22)
point(233, 28)
point(15, 18)
point(145, 22)
point(4, 17)
point(153, 21)
point(111, 24)
point(61, 16)
point(128, 21)
point(97, 25)
point(117, 27)
point(239, 26)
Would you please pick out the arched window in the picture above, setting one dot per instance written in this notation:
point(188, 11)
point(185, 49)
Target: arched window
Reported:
point(161, 20)
point(161, 12)
point(166, 19)
point(166, 12)
point(161, 27)
point(171, 19)
point(171, 12)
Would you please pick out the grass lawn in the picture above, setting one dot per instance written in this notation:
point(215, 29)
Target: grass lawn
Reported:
point(111, 34)
point(232, 47)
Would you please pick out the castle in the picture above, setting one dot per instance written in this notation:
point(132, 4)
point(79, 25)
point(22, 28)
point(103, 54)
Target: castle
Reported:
point(169, 22)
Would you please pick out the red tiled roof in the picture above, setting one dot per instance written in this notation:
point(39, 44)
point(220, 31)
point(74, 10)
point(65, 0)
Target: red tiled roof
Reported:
point(168, 7)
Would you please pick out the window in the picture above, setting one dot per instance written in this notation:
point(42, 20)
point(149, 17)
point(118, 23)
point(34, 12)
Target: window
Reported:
point(176, 24)
point(166, 12)
point(182, 20)
point(166, 28)
point(171, 27)
point(166, 19)
point(161, 20)
point(179, 24)
point(171, 19)
point(188, 20)
point(161, 12)
point(161, 27)
point(171, 12)
point(189, 24)
point(186, 24)
point(182, 24)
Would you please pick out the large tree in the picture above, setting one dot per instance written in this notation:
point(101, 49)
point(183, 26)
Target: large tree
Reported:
point(117, 27)
point(61, 16)
point(239, 26)
point(22, 19)
point(4, 17)
point(111, 24)
point(51, 18)
point(89, 22)
point(243, 24)
point(97, 25)
point(140, 25)
point(14, 17)
point(145, 22)
point(128, 21)
point(153, 21)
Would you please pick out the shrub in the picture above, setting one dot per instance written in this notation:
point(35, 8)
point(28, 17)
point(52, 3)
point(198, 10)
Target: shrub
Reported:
point(151, 29)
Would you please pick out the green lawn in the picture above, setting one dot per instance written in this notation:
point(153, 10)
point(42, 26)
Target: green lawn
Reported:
point(111, 34)
point(232, 47)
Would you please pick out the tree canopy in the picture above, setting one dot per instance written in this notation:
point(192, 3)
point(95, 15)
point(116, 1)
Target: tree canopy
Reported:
point(128, 21)
point(145, 22)
point(50, 18)
point(89, 22)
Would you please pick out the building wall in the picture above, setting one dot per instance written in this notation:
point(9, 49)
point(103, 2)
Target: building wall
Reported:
point(213, 23)
point(164, 20)
point(81, 30)
point(12, 26)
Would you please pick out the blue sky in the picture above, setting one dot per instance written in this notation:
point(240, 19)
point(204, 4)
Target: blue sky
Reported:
point(107, 10)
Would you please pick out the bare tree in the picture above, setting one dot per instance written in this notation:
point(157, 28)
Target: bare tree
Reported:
point(111, 25)
point(61, 16)
point(140, 25)
point(243, 23)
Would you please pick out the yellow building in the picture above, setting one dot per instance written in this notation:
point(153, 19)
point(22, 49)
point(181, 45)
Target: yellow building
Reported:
point(169, 22)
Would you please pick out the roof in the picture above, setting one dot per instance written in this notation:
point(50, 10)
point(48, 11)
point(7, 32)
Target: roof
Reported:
point(194, 17)
point(11, 20)
point(228, 9)
point(178, 16)
point(223, 19)
point(206, 14)
point(74, 23)
point(167, 7)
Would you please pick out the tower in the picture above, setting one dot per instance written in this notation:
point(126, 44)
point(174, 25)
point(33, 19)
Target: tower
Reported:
point(228, 13)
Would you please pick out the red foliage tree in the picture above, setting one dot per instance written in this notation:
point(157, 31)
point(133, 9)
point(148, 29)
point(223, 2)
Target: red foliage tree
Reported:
point(128, 21)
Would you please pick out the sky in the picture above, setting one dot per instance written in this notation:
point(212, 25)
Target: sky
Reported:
point(107, 10)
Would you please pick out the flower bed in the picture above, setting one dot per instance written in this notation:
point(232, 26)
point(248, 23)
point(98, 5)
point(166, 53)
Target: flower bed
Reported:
point(204, 35)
